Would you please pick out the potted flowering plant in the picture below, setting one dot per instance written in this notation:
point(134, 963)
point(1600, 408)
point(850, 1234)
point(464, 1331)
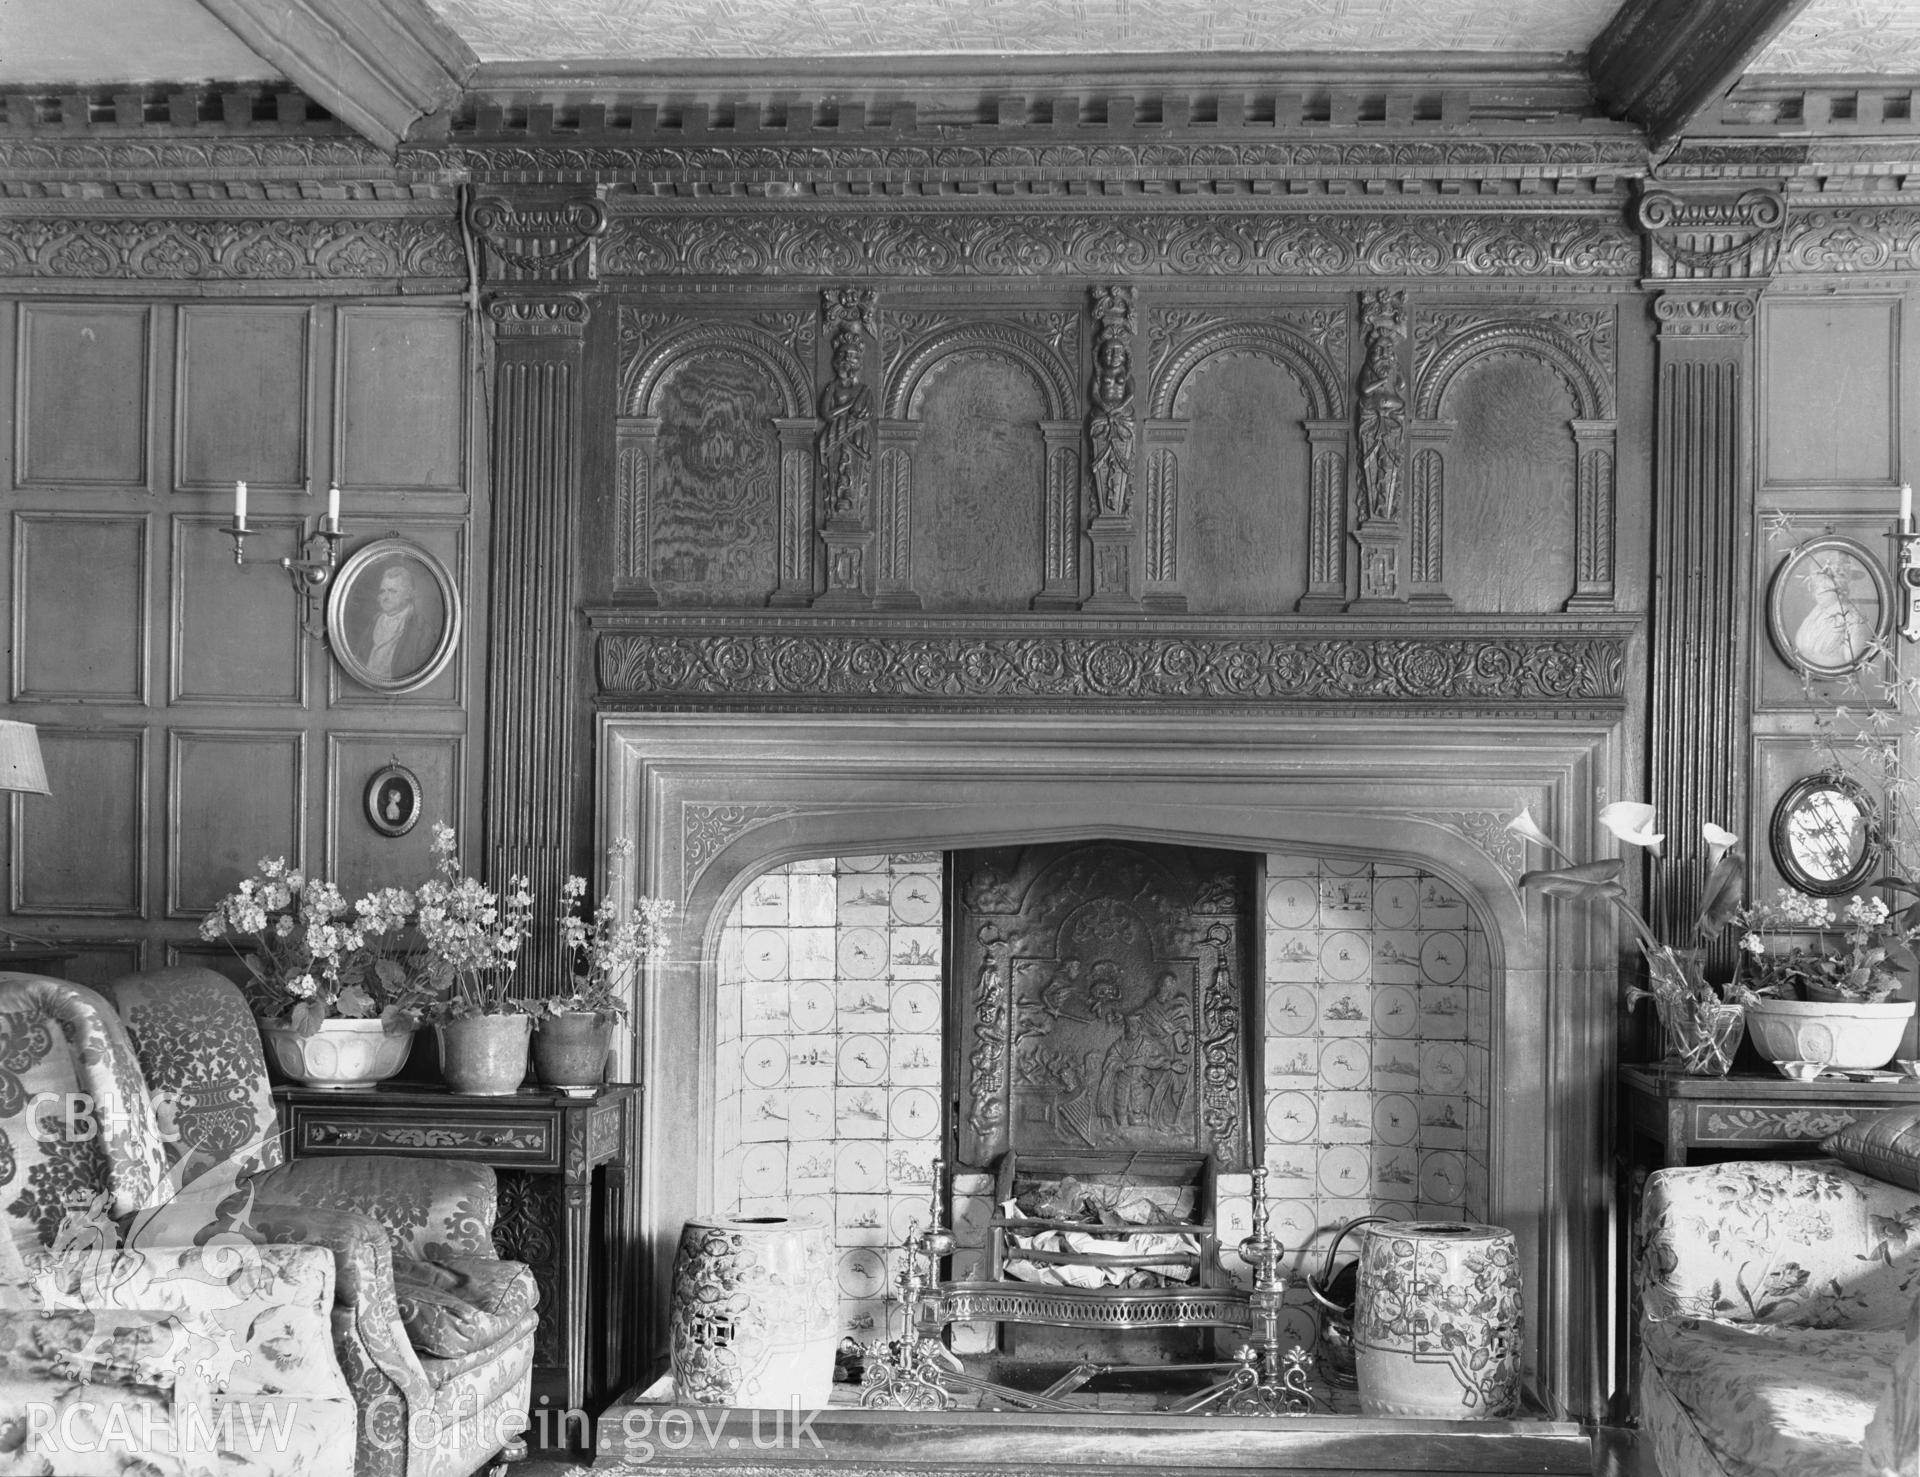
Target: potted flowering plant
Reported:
point(574, 1030)
point(1701, 1020)
point(336, 997)
point(472, 935)
point(1815, 1001)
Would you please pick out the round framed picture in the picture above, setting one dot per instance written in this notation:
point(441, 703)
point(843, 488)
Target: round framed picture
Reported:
point(392, 800)
point(1830, 605)
point(394, 617)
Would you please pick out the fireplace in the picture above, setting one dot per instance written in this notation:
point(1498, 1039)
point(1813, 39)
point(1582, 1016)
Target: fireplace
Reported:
point(1410, 812)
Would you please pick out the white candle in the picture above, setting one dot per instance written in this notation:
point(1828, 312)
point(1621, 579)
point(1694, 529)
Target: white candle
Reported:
point(333, 508)
point(240, 505)
point(1906, 507)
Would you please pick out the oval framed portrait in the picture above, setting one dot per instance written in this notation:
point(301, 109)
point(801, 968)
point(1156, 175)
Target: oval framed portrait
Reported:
point(1829, 607)
point(392, 800)
point(393, 620)
point(1826, 835)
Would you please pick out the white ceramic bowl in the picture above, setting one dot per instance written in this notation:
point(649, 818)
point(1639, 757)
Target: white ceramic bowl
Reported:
point(1801, 1071)
point(1845, 1036)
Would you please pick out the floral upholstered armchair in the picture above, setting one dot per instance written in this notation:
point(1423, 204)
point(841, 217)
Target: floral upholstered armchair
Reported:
point(1780, 1321)
point(139, 1331)
point(433, 1329)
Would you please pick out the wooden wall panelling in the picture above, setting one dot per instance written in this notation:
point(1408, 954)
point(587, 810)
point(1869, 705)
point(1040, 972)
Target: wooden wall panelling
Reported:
point(234, 795)
point(844, 446)
point(235, 630)
point(1784, 522)
point(98, 961)
point(243, 377)
point(1829, 382)
point(1776, 760)
point(81, 851)
point(81, 593)
point(356, 855)
point(446, 537)
point(81, 412)
point(400, 393)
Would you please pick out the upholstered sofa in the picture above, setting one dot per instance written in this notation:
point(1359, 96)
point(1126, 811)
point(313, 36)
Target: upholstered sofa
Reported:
point(138, 1332)
point(1779, 1321)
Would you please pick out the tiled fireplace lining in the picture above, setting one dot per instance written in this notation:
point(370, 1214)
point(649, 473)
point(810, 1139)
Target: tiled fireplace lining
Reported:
point(714, 801)
point(828, 1044)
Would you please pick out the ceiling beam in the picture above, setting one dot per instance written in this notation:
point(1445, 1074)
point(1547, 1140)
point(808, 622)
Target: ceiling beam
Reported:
point(379, 66)
point(1660, 63)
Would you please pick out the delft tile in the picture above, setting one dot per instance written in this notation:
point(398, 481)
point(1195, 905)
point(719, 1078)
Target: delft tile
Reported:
point(762, 1062)
point(765, 1009)
point(861, 864)
point(1233, 1220)
point(861, 1220)
point(1345, 1171)
point(913, 1007)
point(861, 1060)
point(1345, 1063)
point(811, 1008)
point(859, 1167)
point(1443, 957)
point(861, 1005)
point(1479, 1015)
point(810, 954)
point(1339, 866)
point(1236, 1184)
point(916, 861)
point(910, 1167)
point(861, 900)
point(1443, 1122)
point(763, 1171)
point(1396, 955)
point(1479, 1070)
point(1441, 906)
point(1476, 1125)
point(859, 1112)
point(913, 1113)
point(1346, 956)
point(1299, 1327)
point(1443, 1067)
point(913, 1061)
point(1396, 900)
point(1293, 955)
point(1396, 1119)
point(860, 954)
point(726, 1168)
point(1443, 1177)
point(764, 904)
point(727, 1080)
point(766, 1117)
point(863, 1319)
point(812, 1060)
point(1291, 864)
point(1293, 902)
point(1346, 1008)
point(1292, 1011)
point(810, 1166)
point(907, 1217)
point(1346, 1117)
point(1236, 1269)
point(975, 1338)
point(1346, 902)
point(764, 954)
point(1291, 1063)
point(914, 953)
point(1289, 1170)
point(813, 900)
point(1293, 1221)
point(1337, 1211)
point(914, 900)
point(761, 1207)
point(1396, 1173)
point(1443, 1013)
point(812, 864)
point(1396, 1010)
point(1395, 1065)
point(861, 1273)
point(1292, 1117)
point(815, 1208)
point(811, 1112)
point(971, 1217)
point(1476, 1193)
point(730, 963)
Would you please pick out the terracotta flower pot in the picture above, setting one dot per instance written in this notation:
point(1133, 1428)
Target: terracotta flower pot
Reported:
point(570, 1050)
point(342, 1053)
point(484, 1055)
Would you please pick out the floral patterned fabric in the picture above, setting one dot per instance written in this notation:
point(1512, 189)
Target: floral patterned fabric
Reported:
point(433, 1209)
point(449, 1310)
point(172, 1360)
point(1893, 1436)
point(199, 1049)
point(1775, 1300)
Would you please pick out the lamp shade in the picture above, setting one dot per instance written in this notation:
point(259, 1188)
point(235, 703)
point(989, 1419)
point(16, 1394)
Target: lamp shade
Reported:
point(20, 765)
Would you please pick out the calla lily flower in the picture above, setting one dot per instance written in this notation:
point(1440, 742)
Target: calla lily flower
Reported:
point(1719, 842)
point(1524, 825)
point(1632, 822)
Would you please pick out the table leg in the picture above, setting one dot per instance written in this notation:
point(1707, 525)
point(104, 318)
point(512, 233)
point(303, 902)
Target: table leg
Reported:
point(577, 1192)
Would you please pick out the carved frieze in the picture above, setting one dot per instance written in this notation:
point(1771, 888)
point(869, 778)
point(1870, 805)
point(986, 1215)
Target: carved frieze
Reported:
point(706, 829)
point(185, 247)
point(1147, 240)
point(1198, 663)
point(1851, 240)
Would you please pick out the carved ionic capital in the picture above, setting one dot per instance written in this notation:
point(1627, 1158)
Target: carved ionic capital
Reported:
point(1712, 235)
point(1710, 315)
point(563, 316)
point(538, 234)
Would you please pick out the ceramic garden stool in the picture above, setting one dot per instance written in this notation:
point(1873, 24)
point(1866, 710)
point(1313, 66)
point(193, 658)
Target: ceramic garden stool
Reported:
point(753, 1318)
point(1437, 1321)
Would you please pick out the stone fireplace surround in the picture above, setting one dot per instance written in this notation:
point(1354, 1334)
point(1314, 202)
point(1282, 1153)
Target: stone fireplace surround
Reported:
point(713, 800)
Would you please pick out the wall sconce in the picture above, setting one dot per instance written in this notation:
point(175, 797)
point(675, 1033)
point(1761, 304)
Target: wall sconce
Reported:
point(310, 566)
point(1909, 567)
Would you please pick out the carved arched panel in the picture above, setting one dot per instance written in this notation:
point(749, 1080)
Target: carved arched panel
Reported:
point(979, 484)
point(1510, 488)
point(715, 495)
point(1242, 515)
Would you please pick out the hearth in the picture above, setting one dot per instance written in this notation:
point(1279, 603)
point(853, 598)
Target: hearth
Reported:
point(1327, 814)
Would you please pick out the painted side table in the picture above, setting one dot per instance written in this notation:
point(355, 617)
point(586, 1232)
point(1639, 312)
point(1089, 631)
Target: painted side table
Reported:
point(1669, 1118)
